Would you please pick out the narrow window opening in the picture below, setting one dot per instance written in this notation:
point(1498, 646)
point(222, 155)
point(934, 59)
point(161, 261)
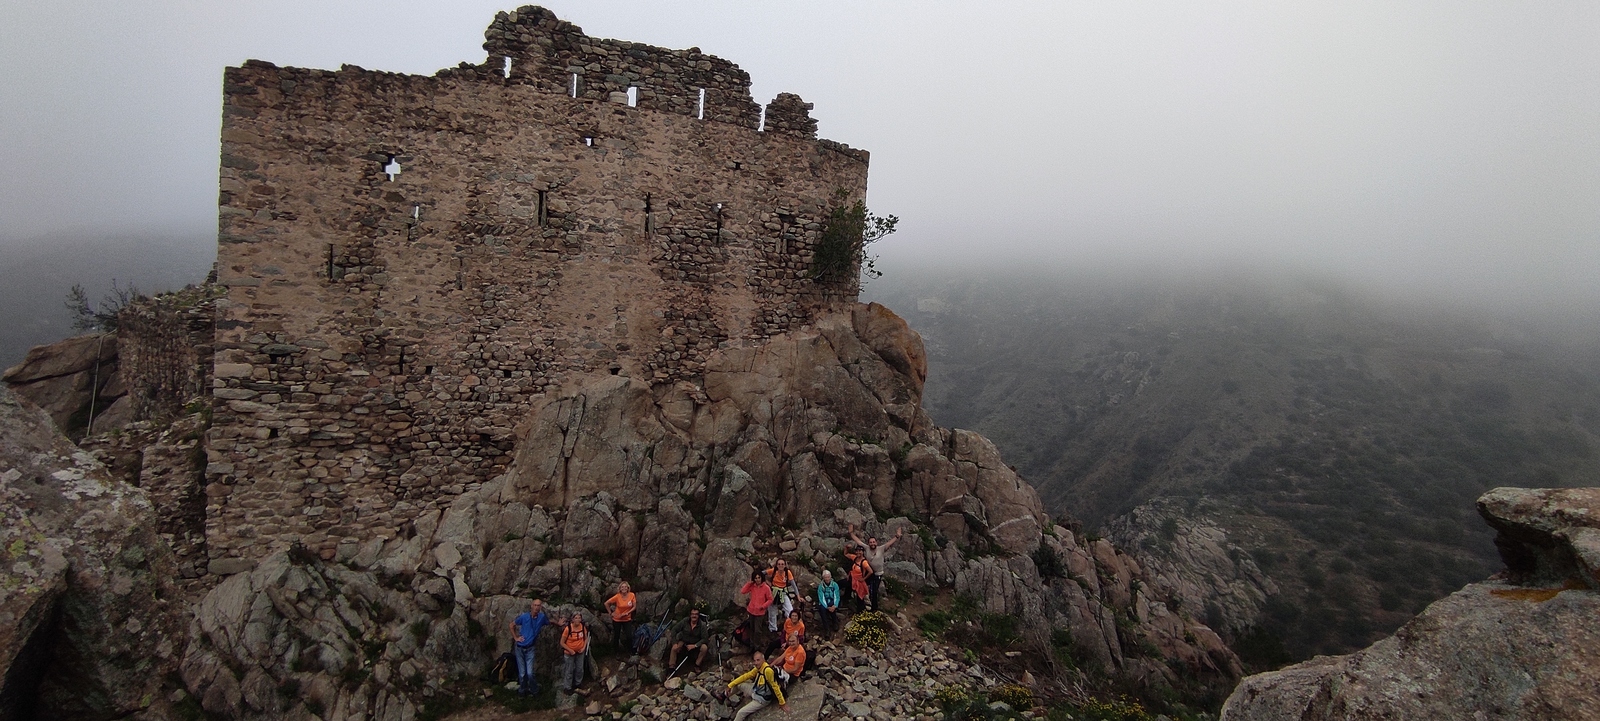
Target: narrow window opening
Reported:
point(505, 373)
point(393, 168)
point(574, 89)
point(700, 114)
point(330, 262)
point(416, 212)
point(588, 140)
point(761, 125)
point(507, 69)
point(461, 272)
point(427, 370)
point(719, 223)
point(272, 433)
point(649, 217)
point(402, 360)
point(544, 212)
point(633, 96)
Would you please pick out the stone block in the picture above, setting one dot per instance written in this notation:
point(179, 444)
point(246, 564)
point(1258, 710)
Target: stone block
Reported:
point(229, 566)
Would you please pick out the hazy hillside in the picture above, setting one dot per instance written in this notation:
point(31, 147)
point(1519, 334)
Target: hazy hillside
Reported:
point(1340, 443)
point(36, 275)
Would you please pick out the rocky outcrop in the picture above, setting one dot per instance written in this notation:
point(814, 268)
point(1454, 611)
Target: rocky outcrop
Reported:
point(1518, 646)
point(683, 489)
point(1191, 562)
point(88, 616)
point(69, 378)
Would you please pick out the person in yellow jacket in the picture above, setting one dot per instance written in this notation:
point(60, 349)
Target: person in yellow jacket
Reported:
point(760, 683)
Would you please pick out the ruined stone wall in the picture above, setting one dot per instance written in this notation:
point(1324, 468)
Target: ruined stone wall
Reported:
point(383, 334)
point(165, 346)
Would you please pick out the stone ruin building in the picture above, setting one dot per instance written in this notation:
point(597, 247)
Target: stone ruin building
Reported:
point(409, 260)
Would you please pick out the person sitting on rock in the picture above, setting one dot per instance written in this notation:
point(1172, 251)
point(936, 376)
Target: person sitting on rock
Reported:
point(793, 660)
point(784, 592)
point(760, 601)
point(575, 650)
point(794, 625)
point(760, 683)
point(860, 573)
point(828, 604)
point(621, 607)
point(875, 556)
point(690, 636)
point(525, 631)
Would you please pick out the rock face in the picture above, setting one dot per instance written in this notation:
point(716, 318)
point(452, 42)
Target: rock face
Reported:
point(65, 378)
point(683, 489)
point(87, 615)
point(1519, 646)
point(1190, 560)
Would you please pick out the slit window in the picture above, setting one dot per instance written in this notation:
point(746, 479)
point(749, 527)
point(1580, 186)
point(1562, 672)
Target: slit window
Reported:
point(700, 113)
point(761, 125)
point(574, 89)
point(507, 69)
point(544, 208)
point(588, 140)
point(649, 217)
point(633, 96)
point(392, 168)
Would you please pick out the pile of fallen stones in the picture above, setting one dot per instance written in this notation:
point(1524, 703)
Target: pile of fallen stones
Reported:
point(898, 682)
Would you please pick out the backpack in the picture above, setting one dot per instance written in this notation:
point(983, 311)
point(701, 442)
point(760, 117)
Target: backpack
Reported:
point(505, 669)
point(763, 685)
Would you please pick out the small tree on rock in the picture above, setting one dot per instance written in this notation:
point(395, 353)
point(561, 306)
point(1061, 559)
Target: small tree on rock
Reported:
point(86, 317)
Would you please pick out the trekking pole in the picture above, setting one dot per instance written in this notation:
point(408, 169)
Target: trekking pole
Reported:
point(675, 668)
point(660, 629)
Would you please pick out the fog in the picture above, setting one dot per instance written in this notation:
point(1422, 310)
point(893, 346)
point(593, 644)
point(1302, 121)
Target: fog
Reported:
point(1439, 150)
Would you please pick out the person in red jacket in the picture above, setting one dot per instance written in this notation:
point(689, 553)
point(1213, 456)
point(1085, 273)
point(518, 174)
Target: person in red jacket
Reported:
point(760, 600)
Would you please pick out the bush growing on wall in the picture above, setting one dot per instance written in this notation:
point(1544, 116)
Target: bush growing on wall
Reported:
point(842, 250)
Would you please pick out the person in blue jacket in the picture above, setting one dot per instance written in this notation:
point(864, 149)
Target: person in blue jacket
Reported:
point(827, 605)
point(525, 631)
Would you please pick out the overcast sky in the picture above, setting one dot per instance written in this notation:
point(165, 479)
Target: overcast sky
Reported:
point(1444, 145)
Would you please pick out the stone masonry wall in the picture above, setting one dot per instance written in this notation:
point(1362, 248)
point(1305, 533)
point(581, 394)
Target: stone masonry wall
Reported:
point(384, 332)
point(166, 350)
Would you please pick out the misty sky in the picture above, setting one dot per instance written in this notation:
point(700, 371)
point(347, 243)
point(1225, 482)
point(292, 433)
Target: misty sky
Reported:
point(1446, 145)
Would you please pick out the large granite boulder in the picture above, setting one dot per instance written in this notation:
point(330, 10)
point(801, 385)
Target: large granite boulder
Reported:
point(73, 378)
point(1518, 646)
point(89, 617)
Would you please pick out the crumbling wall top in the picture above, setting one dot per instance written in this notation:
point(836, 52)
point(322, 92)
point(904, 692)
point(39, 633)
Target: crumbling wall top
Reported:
point(537, 48)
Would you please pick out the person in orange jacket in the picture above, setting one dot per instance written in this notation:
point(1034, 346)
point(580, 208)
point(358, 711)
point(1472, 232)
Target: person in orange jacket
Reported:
point(621, 607)
point(861, 573)
point(794, 625)
point(575, 651)
point(793, 660)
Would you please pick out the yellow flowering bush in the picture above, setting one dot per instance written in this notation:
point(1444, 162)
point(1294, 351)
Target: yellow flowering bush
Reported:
point(869, 629)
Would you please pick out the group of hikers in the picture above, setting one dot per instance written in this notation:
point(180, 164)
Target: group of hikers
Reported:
point(774, 628)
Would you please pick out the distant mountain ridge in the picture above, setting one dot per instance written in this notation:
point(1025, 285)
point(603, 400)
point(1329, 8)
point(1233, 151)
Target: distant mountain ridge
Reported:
point(1337, 441)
